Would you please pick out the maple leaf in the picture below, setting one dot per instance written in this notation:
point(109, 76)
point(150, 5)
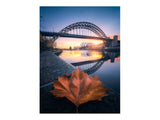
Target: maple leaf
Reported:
point(79, 88)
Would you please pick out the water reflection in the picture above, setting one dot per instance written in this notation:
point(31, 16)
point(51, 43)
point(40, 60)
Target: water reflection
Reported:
point(91, 54)
point(80, 55)
point(88, 60)
point(102, 63)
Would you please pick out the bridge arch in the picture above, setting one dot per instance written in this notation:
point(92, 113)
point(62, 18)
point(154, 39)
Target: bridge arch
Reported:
point(84, 25)
point(94, 68)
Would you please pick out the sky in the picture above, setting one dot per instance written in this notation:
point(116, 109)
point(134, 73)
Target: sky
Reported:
point(57, 18)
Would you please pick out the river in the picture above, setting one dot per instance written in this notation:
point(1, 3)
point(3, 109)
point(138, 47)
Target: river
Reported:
point(94, 62)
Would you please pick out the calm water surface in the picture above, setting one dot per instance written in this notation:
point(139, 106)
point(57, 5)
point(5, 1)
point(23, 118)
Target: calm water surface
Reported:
point(102, 63)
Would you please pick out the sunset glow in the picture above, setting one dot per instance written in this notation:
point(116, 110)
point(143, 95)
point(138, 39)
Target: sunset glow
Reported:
point(65, 43)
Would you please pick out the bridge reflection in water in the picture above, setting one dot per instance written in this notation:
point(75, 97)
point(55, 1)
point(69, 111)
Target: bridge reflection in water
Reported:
point(102, 63)
point(88, 60)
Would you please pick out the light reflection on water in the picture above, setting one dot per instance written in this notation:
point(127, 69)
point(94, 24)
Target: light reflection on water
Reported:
point(109, 71)
point(80, 55)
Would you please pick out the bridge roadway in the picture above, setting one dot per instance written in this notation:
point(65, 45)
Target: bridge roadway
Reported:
point(51, 34)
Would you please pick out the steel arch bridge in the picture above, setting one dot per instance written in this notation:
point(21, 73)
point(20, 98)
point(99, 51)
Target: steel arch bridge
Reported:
point(66, 32)
point(84, 25)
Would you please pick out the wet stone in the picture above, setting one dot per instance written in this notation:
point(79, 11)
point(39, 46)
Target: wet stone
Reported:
point(51, 66)
point(52, 104)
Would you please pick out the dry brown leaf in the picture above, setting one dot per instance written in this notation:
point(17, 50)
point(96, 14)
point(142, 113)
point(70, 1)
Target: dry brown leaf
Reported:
point(79, 88)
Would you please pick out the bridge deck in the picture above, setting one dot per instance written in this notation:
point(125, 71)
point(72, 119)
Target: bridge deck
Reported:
point(70, 35)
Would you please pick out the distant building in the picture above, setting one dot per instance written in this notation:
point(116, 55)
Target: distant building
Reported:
point(112, 42)
point(115, 41)
point(83, 46)
point(115, 37)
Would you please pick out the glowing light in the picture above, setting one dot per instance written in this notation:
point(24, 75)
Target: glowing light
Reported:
point(97, 42)
point(83, 55)
point(65, 43)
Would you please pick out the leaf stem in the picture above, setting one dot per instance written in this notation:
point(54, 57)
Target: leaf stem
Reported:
point(76, 109)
